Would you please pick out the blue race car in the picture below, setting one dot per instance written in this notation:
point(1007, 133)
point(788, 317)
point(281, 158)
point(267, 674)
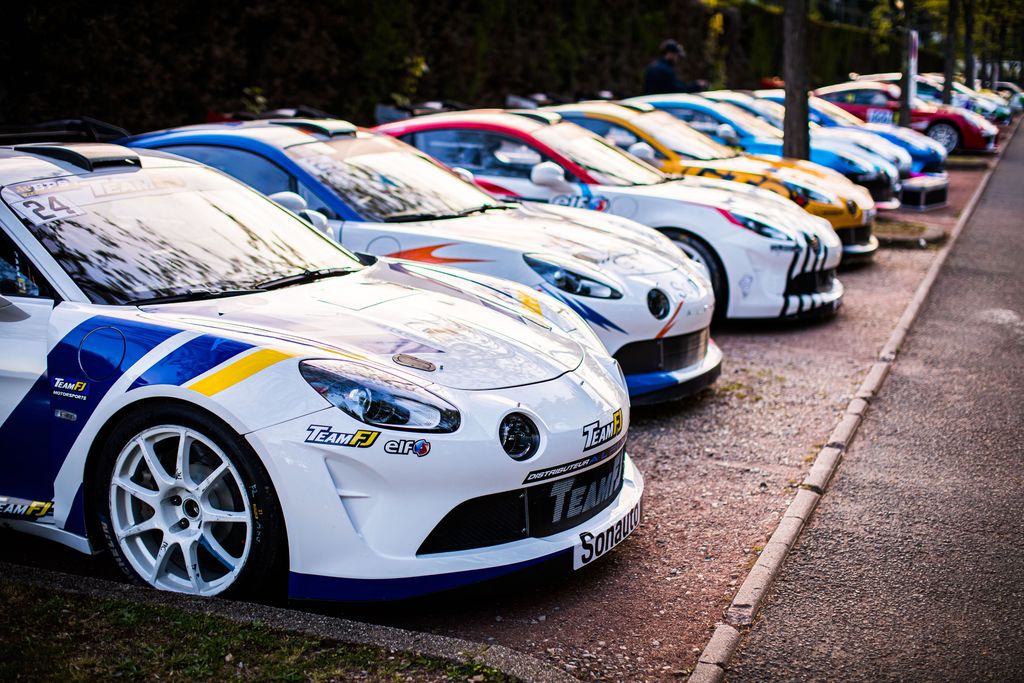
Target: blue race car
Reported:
point(730, 125)
point(927, 155)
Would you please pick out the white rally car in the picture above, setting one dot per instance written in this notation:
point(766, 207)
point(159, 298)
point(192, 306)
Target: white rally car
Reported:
point(650, 305)
point(198, 381)
point(765, 259)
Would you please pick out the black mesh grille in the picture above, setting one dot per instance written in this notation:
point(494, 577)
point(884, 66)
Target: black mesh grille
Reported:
point(813, 282)
point(880, 188)
point(861, 235)
point(537, 511)
point(663, 355)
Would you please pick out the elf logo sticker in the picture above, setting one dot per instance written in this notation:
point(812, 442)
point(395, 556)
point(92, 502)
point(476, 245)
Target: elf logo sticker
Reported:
point(71, 388)
point(581, 202)
point(595, 433)
point(417, 447)
point(362, 438)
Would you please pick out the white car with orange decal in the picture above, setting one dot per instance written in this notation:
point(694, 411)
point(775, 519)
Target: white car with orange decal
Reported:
point(649, 303)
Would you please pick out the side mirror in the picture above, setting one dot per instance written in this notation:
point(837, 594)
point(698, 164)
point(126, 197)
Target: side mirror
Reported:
point(316, 219)
point(548, 174)
point(290, 200)
point(9, 313)
point(642, 150)
point(727, 133)
point(464, 174)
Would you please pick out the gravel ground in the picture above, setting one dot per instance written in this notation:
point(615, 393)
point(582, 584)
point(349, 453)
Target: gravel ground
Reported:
point(911, 567)
point(720, 470)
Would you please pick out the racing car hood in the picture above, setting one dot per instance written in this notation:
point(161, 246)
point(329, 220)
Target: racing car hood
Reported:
point(600, 244)
point(470, 335)
point(785, 215)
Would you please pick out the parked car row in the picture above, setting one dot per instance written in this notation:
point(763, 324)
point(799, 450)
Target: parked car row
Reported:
point(295, 354)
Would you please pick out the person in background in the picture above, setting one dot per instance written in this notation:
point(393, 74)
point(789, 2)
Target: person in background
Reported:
point(660, 75)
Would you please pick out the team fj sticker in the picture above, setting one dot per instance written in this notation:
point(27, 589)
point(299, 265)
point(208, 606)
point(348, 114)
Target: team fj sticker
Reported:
point(71, 388)
point(594, 546)
point(17, 507)
point(597, 433)
point(581, 202)
point(361, 438)
point(417, 447)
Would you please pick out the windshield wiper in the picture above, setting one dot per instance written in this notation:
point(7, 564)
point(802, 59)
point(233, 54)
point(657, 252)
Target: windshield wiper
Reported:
point(191, 295)
point(304, 277)
point(416, 217)
point(483, 208)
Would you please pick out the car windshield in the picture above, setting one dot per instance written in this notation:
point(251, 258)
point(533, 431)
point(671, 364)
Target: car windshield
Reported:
point(833, 111)
point(747, 121)
point(606, 163)
point(680, 138)
point(384, 179)
point(127, 237)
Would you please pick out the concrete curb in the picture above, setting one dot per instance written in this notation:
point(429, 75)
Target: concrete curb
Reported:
point(506, 660)
point(714, 660)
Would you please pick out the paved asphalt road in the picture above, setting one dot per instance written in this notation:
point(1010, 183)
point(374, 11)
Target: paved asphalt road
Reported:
point(913, 567)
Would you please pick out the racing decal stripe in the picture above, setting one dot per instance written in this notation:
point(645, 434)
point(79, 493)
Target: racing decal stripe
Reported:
point(241, 369)
point(191, 359)
point(427, 255)
point(104, 346)
point(531, 302)
point(671, 320)
point(584, 311)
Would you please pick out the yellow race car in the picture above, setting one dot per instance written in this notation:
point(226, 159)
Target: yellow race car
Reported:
point(671, 145)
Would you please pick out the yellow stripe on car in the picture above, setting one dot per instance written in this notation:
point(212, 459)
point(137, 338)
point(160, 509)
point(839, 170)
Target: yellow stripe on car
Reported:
point(240, 370)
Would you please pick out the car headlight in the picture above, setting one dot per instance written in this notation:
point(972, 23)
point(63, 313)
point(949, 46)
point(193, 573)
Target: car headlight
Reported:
point(804, 195)
point(379, 398)
point(757, 226)
point(570, 281)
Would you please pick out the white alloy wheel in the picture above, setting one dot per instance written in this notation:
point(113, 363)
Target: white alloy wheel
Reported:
point(179, 511)
point(946, 135)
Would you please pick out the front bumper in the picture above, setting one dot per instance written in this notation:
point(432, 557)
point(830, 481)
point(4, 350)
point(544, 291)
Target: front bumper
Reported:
point(661, 386)
point(575, 548)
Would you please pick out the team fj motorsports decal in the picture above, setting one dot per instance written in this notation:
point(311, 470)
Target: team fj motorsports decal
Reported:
point(581, 202)
point(71, 388)
point(596, 433)
point(593, 546)
point(417, 447)
point(17, 507)
point(574, 498)
point(361, 438)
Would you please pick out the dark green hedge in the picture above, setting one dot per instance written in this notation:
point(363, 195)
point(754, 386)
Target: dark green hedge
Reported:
point(148, 65)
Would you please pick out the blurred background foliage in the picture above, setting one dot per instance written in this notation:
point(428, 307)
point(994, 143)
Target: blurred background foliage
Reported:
point(150, 65)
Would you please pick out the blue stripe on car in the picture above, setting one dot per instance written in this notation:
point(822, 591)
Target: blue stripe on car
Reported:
point(189, 360)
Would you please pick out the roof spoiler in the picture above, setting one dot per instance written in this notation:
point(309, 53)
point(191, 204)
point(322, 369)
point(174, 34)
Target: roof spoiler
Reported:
point(87, 156)
point(327, 127)
point(83, 129)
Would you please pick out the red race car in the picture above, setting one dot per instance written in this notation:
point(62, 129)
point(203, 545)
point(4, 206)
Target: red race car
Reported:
point(953, 127)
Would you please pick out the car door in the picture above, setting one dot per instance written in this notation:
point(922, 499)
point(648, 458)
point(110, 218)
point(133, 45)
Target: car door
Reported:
point(25, 487)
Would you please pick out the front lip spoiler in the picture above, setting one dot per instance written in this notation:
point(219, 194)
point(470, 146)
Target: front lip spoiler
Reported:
point(678, 391)
point(855, 253)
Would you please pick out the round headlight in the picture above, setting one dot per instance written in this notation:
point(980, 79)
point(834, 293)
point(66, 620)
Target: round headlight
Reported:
point(657, 303)
point(519, 436)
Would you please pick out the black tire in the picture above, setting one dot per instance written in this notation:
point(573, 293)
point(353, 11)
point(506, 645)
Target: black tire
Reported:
point(701, 251)
point(946, 134)
point(264, 568)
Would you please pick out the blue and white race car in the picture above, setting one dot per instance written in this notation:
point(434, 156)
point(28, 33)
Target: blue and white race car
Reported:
point(927, 155)
point(650, 305)
point(229, 402)
point(730, 125)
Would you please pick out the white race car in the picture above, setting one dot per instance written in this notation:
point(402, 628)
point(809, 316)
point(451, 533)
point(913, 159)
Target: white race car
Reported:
point(765, 259)
point(195, 379)
point(649, 304)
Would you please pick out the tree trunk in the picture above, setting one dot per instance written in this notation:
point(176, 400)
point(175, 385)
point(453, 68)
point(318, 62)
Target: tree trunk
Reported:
point(969, 42)
point(796, 134)
point(947, 90)
point(904, 31)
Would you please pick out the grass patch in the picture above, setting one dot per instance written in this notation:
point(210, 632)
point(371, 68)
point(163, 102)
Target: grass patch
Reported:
point(67, 637)
point(903, 229)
